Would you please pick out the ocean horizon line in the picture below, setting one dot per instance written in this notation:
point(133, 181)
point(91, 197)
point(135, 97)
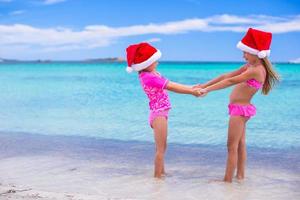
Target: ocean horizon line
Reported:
point(40, 61)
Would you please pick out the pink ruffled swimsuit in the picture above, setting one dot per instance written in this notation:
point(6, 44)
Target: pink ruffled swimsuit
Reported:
point(154, 86)
point(245, 110)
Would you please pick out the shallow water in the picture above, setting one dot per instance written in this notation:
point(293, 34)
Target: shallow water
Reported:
point(109, 169)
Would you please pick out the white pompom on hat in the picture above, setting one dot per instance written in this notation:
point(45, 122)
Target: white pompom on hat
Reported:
point(140, 56)
point(256, 42)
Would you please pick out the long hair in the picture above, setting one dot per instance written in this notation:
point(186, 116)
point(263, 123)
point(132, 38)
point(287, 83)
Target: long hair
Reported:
point(271, 77)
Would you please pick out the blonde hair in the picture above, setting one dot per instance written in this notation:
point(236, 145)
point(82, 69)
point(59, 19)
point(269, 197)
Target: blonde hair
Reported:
point(271, 77)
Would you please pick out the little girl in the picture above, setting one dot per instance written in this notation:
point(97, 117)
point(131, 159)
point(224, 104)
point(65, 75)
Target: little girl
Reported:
point(256, 74)
point(143, 58)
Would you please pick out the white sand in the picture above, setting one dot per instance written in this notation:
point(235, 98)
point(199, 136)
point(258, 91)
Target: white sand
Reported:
point(42, 167)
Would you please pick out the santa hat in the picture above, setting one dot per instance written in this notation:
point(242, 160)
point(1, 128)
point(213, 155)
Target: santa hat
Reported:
point(140, 56)
point(256, 42)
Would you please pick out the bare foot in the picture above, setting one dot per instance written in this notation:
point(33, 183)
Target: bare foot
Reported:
point(240, 178)
point(159, 178)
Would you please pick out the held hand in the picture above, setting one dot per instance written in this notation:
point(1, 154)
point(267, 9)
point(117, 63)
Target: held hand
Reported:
point(203, 92)
point(196, 92)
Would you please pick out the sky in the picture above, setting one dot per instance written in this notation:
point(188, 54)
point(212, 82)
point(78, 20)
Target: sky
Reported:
point(184, 30)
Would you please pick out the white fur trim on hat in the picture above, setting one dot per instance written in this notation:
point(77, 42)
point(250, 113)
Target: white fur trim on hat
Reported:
point(129, 69)
point(260, 54)
point(147, 63)
point(263, 53)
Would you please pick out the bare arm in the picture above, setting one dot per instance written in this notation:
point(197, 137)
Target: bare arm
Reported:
point(225, 76)
point(183, 89)
point(248, 74)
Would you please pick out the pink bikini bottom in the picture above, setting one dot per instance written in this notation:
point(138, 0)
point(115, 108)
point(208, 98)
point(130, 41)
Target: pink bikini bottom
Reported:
point(155, 114)
point(242, 110)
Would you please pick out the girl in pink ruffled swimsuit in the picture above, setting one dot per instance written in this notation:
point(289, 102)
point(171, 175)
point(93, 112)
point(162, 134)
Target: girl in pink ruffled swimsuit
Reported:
point(143, 58)
point(255, 75)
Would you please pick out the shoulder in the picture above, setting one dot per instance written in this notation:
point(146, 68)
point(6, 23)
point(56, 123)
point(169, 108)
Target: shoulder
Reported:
point(261, 72)
point(254, 71)
point(245, 66)
point(147, 77)
point(153, 80)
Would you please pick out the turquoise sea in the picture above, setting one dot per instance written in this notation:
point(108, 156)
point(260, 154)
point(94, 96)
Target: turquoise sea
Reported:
point(102, 100)
point(95, 106)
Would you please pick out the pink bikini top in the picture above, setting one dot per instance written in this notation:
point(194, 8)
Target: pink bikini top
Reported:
point(254, 83)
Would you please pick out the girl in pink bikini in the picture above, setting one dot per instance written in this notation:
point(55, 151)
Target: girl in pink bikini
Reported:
point(255, 75)
point(143, 58)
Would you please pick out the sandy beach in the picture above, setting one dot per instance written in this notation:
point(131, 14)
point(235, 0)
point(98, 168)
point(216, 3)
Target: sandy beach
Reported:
point(60, 167)
point(81, 82)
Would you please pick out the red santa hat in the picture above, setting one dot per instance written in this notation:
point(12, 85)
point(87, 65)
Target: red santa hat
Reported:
point(140, 56)
point(256, 42)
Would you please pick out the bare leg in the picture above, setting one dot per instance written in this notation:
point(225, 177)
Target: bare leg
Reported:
point(242, 156)
point(160, 127)
point(165, 148)
point(235, 132)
